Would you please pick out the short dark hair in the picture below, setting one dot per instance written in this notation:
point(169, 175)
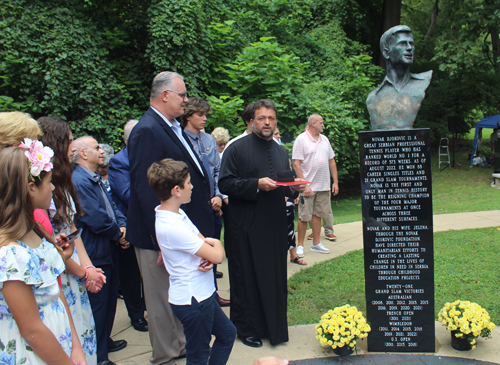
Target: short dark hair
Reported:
point(194, 105)
point(264, 103)
point(387, 39)
point(163, 176)
point(247, 114)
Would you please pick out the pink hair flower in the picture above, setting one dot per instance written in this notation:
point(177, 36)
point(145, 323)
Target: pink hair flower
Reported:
point(38, 156)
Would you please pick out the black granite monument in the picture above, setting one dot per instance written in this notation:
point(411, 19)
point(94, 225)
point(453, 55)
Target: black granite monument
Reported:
point(398, 239)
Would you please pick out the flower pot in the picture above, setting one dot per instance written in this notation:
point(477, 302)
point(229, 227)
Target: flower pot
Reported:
point(345, 350)
point(460, 344)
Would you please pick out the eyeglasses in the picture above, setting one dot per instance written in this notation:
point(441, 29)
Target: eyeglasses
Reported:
point(182, 95)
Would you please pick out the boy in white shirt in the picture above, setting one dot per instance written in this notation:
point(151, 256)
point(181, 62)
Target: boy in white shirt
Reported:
point(188, 258)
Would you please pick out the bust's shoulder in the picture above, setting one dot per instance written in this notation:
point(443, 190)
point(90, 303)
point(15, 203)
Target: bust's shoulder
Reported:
point(427, 75)
point(374, 92)
point(372, 95)
point(423, 79)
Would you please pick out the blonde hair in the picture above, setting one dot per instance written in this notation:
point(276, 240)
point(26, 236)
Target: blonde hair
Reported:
point(221, 135)
point(15, 127)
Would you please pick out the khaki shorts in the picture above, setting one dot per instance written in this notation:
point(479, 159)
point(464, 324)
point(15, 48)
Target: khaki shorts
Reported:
point(318, 204)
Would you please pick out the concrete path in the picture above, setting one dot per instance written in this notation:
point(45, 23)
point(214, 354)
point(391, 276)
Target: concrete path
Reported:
point(303, 344)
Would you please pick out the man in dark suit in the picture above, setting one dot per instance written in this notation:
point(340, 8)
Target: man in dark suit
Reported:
point(103, 228)
point(158, 135)
point(130, 276)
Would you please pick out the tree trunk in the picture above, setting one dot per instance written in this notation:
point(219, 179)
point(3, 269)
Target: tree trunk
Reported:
point(391, 15)
point(495, 43)
point(434, 15)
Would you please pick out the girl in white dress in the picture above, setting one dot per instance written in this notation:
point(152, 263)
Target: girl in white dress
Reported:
point(35, 327)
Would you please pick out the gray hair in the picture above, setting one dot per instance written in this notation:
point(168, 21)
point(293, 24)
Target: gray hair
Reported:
point(108, 152)
point(80, 144)
point(387, 37)
point(128, 128)
point(162, 81)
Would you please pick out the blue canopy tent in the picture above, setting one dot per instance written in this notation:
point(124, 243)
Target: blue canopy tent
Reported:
point(488, 122)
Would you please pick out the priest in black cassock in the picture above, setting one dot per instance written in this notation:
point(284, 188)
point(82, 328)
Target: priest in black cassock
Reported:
point(256, 230)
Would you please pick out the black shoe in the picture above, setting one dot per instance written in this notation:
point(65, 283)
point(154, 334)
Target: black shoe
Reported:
point(117, 346)
point(106, 362)
point(219, 275)
point(251, 341)
point(140, 325)
point(223, 302)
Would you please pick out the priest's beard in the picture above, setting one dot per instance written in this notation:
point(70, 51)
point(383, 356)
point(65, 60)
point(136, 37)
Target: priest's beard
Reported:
point(264, 135)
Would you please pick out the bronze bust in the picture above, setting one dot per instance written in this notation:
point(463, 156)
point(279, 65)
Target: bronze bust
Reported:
point(396, 102)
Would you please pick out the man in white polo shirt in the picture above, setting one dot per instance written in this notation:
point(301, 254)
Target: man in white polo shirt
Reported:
point(314, 160)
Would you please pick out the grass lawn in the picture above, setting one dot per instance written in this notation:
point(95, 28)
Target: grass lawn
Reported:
point(465, 265)
point(466, 261)
point(458, 190)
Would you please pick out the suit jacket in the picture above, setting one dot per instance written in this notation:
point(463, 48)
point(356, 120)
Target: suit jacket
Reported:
point(119, 180)
point(152, 140)
point(99, 231)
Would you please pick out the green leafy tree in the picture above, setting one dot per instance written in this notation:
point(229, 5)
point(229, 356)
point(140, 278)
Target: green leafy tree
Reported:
point(264, 70)
point(186, 36)
point(92, 63)
point(63, 69)
point(458, 40)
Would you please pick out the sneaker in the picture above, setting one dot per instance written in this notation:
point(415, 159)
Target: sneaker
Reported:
point(330, 237)
point(319, 248)
point(310, 237)
point(300, 251)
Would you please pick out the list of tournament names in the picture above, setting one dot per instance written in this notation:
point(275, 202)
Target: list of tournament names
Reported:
point(398, 245)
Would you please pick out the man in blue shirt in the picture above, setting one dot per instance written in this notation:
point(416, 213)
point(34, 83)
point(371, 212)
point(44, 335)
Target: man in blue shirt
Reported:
point(193, 122)
point(103, 228)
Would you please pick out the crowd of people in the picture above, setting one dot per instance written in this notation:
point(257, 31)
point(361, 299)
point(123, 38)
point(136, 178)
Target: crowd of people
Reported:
point(81, 226)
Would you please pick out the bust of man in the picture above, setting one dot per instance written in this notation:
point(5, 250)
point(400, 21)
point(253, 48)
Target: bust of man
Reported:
point(395, 103)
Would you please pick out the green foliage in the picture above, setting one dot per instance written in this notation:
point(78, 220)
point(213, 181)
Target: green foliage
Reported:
point(190, 37)
point(340, 99)
point(341, 127)
point(179, 37)
point(64, 70)
point(91, 63)
point(463, 45)
point(264, 70)
point(225, 113)
point(459, 51)
point(123, 25)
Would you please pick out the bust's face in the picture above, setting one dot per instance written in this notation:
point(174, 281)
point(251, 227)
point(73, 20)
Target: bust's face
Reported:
point(402, 49)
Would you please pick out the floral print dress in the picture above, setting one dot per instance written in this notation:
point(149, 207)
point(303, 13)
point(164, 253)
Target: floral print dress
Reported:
point(77, 298)
point(39, 268)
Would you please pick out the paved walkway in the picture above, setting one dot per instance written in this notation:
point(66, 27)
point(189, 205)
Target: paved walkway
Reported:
point(303, 344)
